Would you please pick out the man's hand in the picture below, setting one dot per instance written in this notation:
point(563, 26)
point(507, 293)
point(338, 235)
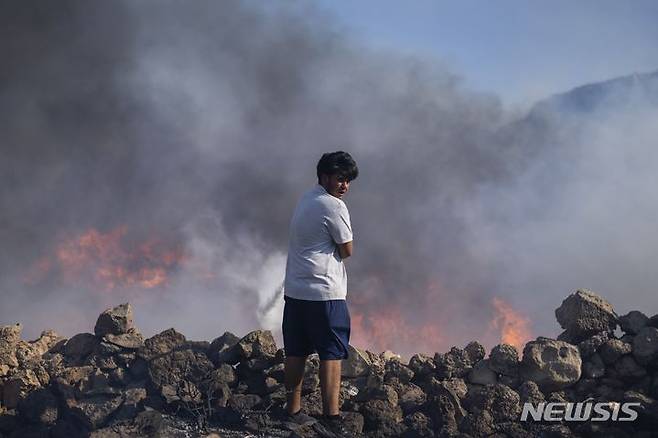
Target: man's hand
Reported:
point(344, 249)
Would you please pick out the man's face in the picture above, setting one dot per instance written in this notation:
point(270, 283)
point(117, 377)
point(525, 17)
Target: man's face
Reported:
point(335, 185)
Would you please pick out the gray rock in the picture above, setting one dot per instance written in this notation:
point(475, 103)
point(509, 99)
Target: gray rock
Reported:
point(454, 363)
point(18, 386)
point(475, 352)
point(160, 344)
point(381, 416)
point(30, 352)
point(593, 367)
point(585, 313)
point(398, 370)
point(222, 349)
point(115, 321)
point(357, 363)
point(481, 374)
point(645, 345)
point(129, 341)
point(422, 365)
point(149, 423)
point(653, 321)
point(411, 398)
point(94, 411)
point(81, 345)
point(613, 349)
point(179, 367)
point(530, 392)
point(591, 345)
point(501, 401)
point(418, 425)
point(504, 359)
point(39, 406)
point(132, 402)
point(10, 335)
point(244, 402)
point(633, 322)
point(478, 424)
point(257, 344)
point(457, 386)
point(551, 364)
point(445, 406)
point(629, 369)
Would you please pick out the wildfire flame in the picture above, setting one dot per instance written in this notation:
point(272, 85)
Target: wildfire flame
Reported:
point(389, 330)
point(514, 327)
point(108, 260)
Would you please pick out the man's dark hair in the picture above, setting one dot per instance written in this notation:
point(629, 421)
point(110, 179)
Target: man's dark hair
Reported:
point(338, 163)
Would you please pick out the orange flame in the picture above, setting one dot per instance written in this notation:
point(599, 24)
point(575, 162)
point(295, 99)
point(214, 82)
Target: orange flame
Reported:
point(108, 260)
point(389, 330)
point(514, 327)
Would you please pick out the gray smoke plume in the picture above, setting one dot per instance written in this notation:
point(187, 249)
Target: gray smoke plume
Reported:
point(199, 124)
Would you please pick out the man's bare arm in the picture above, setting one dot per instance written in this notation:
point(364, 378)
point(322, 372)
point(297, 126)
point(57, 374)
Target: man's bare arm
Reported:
point(345, 249)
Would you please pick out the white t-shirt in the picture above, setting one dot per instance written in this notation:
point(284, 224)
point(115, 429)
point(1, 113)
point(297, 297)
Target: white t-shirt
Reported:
point(314, 269)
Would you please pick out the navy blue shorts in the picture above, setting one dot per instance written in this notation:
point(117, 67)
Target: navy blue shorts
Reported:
point(321, 327)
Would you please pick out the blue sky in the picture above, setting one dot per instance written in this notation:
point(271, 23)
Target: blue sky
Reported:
point(520, 50)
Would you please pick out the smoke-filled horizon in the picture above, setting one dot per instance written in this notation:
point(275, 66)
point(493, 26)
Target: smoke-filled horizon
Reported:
point(181, 136)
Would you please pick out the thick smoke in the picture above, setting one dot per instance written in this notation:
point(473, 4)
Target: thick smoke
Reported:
point(201, 123)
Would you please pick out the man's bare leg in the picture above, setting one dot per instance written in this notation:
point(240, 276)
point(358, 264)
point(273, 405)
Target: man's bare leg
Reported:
point(330, 386)
point(294, 374)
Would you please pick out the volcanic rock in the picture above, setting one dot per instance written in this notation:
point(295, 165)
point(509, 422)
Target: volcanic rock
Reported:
point(18, 386)
point(221, 349)
point(481, 374)
point(633, 322)
point(629, 369)
point(27, 352)
point(454, 363)
point(499, 400)
point(357, 363)
point(397, 370)
point(115, 321)
point(445, 405)
point(475, 352)
point(551, 364)
point(504, 359)
point(591, 345)
point(593, 367)
point(131, 341)
point(162, 343)
point(422, 365)
point(80, 346)
point(132, 401)
point(585, 313)
point(257, 344)
point(418, 425)
point(94, 411)
point(244, 402)
point(529, 392)
point(613, 349)
point(411, 398)
point(181, 370)
point(645, 345)
point(381, 416)
point(10, 335)
point(39, 406)
point(478, 424)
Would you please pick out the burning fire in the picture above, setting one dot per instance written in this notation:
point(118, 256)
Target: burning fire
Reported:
point(108, 260)
point(389, 330)
point(513, 327)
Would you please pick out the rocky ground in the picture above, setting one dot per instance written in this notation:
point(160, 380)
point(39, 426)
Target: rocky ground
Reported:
point(114, 383)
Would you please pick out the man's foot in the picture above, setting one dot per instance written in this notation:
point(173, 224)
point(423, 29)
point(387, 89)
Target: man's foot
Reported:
point(332, 427)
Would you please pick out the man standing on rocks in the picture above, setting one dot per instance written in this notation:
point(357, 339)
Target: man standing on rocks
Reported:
point(315, 317)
